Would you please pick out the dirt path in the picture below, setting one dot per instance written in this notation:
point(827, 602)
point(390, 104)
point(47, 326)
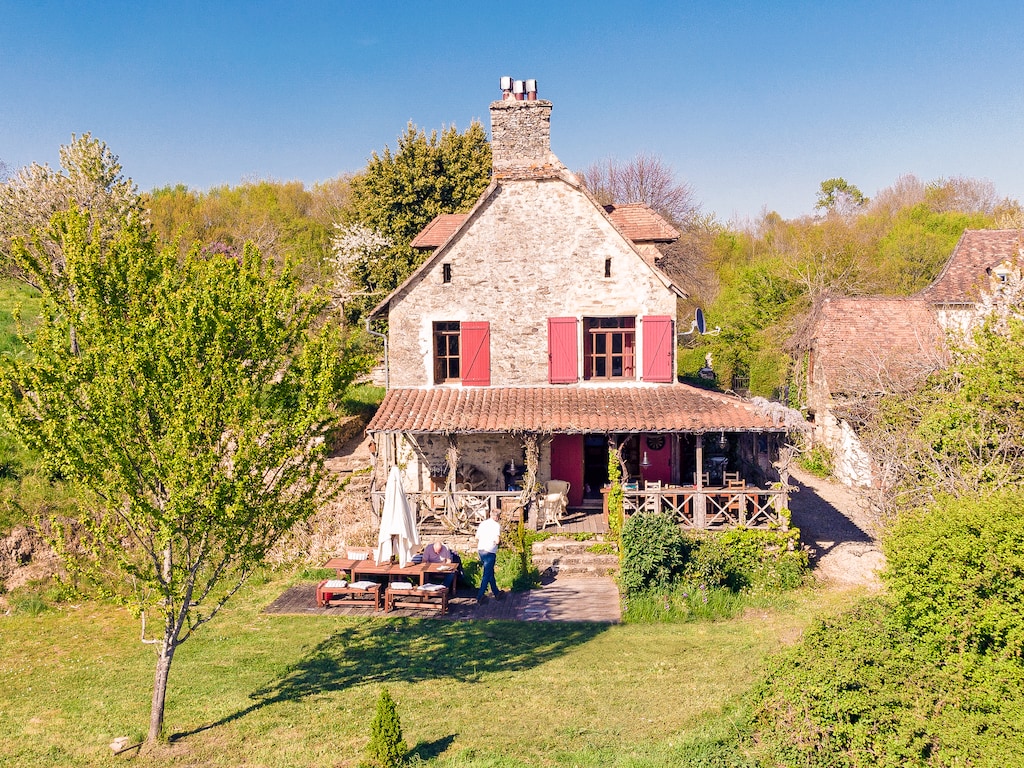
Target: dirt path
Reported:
point(834, 526)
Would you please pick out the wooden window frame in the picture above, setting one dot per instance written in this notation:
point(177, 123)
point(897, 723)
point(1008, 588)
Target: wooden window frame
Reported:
point(601, 353)
point(447, 352)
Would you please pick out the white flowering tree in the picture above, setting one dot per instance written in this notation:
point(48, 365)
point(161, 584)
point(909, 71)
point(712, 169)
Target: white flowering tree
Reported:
point(90, 179)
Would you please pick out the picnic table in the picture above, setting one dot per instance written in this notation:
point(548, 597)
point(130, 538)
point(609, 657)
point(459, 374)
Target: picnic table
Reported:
point(421, 595)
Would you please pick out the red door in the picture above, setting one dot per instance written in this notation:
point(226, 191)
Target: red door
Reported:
point(567, 464)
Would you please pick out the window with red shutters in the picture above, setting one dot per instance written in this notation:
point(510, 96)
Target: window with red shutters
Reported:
point(658, 348)
point(563, 350)
point(476, 354)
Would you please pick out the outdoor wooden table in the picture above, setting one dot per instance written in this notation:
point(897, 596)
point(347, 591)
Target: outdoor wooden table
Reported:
point(353, 570)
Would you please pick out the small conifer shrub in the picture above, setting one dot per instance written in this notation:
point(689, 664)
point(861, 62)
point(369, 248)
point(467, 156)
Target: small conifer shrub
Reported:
point(387, 747)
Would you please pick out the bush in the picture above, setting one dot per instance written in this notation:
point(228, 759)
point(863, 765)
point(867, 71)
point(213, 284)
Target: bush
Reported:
point(658, 556)
point(818, 461)
point(387, 747)
point(956, 574)
point(654, 552)
point(859, 691)
point(748, 558)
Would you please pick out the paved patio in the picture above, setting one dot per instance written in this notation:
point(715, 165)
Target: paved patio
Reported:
point(591, 599)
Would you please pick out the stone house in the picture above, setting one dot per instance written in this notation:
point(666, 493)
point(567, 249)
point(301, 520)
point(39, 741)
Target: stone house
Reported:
point(858, 348)
point(538, 332)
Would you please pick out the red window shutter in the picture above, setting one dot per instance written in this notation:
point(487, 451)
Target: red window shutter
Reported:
point(476, 354)
point(563, 353)
point(658, 349)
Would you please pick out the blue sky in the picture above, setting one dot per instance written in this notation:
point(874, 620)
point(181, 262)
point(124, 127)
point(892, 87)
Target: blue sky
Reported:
point(752, 104)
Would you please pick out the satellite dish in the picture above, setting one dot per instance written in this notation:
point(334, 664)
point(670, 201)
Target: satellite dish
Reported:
point(700, 325)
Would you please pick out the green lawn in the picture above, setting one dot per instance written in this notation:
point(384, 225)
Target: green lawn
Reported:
point(259, 690)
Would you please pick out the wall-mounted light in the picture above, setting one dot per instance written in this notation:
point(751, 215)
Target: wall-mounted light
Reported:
point(645, 462)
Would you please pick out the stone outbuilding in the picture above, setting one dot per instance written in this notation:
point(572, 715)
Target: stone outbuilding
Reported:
point(857, 348)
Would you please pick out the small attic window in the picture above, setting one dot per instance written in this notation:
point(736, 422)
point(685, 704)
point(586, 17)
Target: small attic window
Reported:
point(446, 272)
point(607, 267)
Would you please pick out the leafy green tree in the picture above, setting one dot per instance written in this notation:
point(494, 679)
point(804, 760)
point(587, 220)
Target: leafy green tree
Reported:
point(283, 220)
point(190, 414)
point(399, 193)
point(839, 196)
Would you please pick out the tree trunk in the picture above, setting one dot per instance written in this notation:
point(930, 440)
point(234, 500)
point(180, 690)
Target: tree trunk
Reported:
point(163, 670)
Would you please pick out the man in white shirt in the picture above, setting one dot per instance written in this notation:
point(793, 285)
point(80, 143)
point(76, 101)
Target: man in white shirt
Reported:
point(488, 533)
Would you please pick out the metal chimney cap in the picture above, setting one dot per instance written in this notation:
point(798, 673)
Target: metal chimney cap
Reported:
point(531, 86)
point(518, 86)
point(506, 83)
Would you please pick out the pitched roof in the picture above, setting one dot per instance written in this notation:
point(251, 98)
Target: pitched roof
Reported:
point(640, 223)
point(637, 221)
point(547, 410)
point(977, 251)
point(867, 344)
point(439, 230)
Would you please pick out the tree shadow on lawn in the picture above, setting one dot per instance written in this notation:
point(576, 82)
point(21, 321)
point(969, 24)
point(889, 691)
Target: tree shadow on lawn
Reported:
point(414, 650)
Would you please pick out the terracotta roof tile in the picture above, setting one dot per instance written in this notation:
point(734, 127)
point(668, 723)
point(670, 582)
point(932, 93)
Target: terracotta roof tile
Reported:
point(437, 232)
point(865, 343)
point(640, 223)
point(977, 251)
point(546, 410)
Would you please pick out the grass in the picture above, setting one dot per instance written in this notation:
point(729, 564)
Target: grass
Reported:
point(264, 690)
point(16, 299)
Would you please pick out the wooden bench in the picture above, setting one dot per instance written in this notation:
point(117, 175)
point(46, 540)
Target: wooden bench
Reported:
point(417, 597)
point(325, 594)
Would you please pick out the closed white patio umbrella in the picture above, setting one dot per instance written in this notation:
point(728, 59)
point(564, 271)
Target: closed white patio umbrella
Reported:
point(398, 533)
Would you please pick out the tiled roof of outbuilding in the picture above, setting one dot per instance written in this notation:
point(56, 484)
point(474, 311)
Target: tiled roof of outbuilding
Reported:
point(640, 223)
point(439, 230)
point(865, 344)
point(977, 251)
point(551, 409)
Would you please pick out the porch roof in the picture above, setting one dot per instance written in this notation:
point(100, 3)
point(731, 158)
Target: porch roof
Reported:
point(552, 409)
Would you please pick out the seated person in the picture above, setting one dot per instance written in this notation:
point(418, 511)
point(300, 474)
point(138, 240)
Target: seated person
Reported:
point(439, 553)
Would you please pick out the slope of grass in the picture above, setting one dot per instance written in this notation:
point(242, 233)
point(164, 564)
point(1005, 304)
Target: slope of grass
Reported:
point(264, 690)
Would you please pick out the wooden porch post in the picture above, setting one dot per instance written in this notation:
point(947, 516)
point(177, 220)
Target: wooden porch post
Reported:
point(699, 500)
point(531, 450)
point(451, 456)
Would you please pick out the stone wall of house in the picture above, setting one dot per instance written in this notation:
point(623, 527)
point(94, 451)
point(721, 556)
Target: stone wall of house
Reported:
point(533, 250)
point(482, 459)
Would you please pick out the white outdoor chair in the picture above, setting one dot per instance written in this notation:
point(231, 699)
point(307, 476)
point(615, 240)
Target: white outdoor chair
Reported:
point(653, 501)
point(553, 504)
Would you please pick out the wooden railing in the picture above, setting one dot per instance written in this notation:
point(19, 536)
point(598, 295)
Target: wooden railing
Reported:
point(703, 509)
point(712, 508)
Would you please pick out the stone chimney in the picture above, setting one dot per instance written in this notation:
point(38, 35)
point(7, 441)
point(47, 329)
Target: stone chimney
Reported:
point(520, 128)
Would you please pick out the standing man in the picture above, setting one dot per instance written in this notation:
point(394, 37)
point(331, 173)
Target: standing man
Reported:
point(487, 535)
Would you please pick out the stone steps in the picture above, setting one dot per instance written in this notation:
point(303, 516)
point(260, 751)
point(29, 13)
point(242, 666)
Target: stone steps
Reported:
point(566, 557)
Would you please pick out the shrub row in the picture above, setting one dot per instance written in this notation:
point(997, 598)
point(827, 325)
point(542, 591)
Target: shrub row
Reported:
point(658, 556)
